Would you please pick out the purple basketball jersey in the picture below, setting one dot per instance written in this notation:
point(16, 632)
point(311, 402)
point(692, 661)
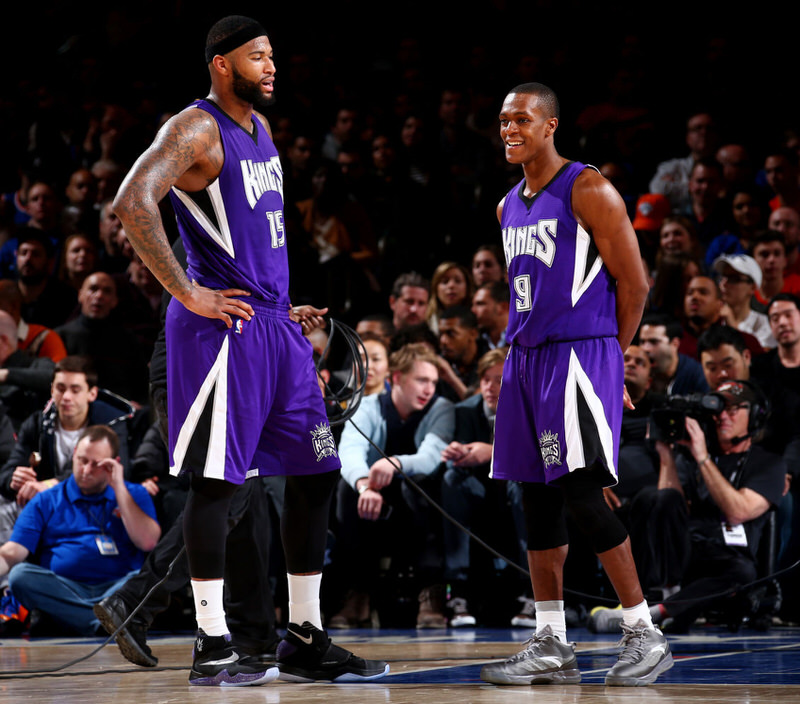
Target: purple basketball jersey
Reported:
point(233, 230)
point(560, 288)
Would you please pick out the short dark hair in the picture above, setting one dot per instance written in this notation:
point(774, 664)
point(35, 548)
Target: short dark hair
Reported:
point(547, 97)
point(96, 433)
point(717, 335)
point(78, 365)
point(466, 318)
point(671, 325)
point(382, 319)
point(767, 237)
point(498, 290)
point(784, 296)
point(410, 278)
point(419, 332)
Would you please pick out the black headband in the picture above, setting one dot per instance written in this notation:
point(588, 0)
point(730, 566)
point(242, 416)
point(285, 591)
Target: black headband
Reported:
point(235, 40)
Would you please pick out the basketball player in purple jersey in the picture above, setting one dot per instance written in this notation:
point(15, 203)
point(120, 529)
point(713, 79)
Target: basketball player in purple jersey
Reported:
point(242, 392)
point(577, 295)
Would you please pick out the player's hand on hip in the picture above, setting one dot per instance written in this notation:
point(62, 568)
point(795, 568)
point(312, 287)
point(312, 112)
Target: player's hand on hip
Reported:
point(221, 305)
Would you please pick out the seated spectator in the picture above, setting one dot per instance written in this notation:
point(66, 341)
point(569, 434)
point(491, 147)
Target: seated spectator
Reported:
point(769, 251)
point(377, 362)
point(376, 324)
point(78, 260)
point(671, 371)
point(378, 513)
point(451, 285)
point(739, 279)
point(116, 353)
point(461, 349)
point(749, 212)
point(110, 256)
point(488, 265)
point(408, 300)
point(670, 279)
point(79, 213)
point(778, 373)
point(42, 455)
point(702, 308)
point(24, 379)
point(37, 340)
point(46, 300)
point(677, 236)
point(86, 536)
point(786, 220)
point(490, 307)
point(724, 483)
point(489, 508)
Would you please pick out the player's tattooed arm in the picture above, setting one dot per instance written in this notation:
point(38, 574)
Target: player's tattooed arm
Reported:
point(187, 153)
point(181, 147)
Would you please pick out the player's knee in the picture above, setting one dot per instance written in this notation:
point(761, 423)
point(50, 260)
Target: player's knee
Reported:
point(583, 497)
point(544, 516)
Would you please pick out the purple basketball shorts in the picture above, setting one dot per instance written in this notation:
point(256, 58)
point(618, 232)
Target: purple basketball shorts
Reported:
point(244, 401)
point(560, 409)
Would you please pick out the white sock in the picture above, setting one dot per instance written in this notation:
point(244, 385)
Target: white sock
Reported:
point(640, 612)
point(551, 613)
point(304, 599)
point(209, 611)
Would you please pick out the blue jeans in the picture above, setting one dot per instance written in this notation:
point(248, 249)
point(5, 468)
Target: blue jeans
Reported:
point(67, 602)
point(483, 505)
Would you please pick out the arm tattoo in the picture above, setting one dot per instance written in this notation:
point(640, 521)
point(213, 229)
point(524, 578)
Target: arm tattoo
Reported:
point(180, 145)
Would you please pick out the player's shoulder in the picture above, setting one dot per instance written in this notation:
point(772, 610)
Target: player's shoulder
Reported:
point(590, 183)
point(191, 121)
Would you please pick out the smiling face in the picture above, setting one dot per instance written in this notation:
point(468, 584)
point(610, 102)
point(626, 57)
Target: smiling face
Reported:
point(525, 128)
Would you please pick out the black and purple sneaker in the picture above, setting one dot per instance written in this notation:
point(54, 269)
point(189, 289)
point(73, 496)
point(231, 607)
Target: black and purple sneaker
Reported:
point(306, 654)
point(217, 663)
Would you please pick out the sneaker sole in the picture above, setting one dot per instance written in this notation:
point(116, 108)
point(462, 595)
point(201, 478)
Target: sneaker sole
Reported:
point(462, 622)
point(127, 645)
point(307, 676)
point(240, 679)
point(572, 676)
point(649, 678)
point(523, 622)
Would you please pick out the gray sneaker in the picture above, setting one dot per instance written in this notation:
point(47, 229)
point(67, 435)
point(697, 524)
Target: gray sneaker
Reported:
point(544, 660)
point(645, 655)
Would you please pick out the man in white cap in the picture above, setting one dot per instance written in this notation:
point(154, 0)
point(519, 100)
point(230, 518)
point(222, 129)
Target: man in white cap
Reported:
point(739, 279)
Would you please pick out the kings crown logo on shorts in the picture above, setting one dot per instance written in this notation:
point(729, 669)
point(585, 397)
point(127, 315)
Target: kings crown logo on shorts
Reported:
point(550, 448)
point(323, 442)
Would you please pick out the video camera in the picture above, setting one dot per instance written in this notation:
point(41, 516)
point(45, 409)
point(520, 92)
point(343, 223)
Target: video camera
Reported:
point(668, 421)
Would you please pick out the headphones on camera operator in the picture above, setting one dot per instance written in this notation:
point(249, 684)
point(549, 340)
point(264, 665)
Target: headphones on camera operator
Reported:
point(760, 407)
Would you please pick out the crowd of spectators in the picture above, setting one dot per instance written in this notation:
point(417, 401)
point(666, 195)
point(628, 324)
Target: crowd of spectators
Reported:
point(392, 174)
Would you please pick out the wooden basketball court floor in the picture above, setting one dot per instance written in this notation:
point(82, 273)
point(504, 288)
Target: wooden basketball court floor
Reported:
point(712, 665)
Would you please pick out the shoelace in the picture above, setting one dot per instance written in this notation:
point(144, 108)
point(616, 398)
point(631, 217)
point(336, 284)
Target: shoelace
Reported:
point(632, 644)
point(532, 645)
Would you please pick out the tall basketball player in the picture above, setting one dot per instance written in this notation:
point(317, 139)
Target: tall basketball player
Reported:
point(577, 295)
point(242, 392)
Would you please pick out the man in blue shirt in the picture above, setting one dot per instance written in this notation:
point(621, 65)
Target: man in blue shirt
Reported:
point(87, 534)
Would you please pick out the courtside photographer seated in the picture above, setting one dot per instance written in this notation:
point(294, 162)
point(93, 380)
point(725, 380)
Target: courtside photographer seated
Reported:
point(726, 482)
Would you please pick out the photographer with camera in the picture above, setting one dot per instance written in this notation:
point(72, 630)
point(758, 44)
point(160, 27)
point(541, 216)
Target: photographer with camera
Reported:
point(729, 483)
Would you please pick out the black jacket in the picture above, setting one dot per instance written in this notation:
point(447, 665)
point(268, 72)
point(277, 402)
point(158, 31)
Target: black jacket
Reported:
point(37, 434)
